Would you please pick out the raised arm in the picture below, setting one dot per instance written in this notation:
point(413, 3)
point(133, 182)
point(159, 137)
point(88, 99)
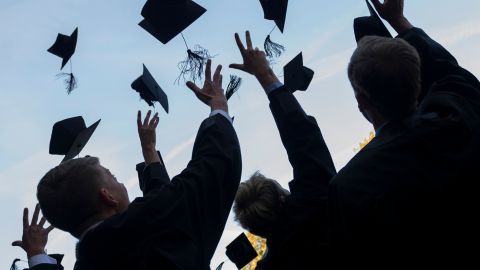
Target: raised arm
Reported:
point(437, 62)
point(311, 161)
point(152, 173)
point(34, 241)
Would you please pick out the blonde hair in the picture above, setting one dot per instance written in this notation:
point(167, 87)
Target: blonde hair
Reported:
point(259, 203)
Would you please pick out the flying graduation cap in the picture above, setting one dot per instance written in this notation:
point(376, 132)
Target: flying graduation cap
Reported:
point(275, 10)
point(370, 26)
point(165, 19)
point(69, 136)
point(240, 251)
point(149, 89)
point(296, 75)
point(64, 47)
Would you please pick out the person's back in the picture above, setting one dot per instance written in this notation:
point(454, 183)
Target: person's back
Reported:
point(411, 189)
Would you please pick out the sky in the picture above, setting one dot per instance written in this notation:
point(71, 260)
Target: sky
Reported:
point(110, 52)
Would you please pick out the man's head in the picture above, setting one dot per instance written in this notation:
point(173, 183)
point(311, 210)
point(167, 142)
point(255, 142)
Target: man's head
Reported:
point(259, 204)
point(79, 192)
point(385, 75)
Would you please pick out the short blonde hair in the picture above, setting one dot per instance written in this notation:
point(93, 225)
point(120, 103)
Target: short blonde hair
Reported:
point(387, 72)
point(259, 203)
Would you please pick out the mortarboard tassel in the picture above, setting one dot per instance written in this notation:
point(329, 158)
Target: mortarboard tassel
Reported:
point(233, 86)
point(272, 49)
point(193, 66)
point(70, 81)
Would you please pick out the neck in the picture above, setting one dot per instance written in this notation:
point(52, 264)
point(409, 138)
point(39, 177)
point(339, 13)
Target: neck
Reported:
point(91, 222)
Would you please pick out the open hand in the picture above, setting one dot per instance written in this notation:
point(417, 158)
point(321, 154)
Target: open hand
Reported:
point(212, 92)
point(148, 137)
point(254, 62)
point(35, 237)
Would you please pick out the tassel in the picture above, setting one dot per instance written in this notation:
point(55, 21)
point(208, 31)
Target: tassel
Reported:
point(192, 67)
point(70, 81)
point(272, 49)
point(233, 86)
point(14, 264)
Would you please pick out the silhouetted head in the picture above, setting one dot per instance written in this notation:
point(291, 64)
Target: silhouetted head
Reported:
point(79, 193)
point(259, 204)
point(385, 76)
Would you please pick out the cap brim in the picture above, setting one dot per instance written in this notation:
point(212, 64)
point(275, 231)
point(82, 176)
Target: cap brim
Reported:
point(80, 141)
point(297, 76)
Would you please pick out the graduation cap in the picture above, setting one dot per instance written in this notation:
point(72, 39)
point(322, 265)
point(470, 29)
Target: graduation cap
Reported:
point(149, 89)
point(64, 47)
point(275, 10)
point(240, 251)
point(165, 19)
point(69, 136)
point(370, 26)
point(297, 76)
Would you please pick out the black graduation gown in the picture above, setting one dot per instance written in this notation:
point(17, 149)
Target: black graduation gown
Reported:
point(177, 224)
point(411, 191)
point(298, 234)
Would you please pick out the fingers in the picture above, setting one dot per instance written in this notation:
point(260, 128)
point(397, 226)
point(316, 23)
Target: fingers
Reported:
point(239, 44)
point(193, 87)
point(49, 229)
point(25, 219)
point(221, 81)
point(154, 118)
point(17, 243)
point(238, 66)
point(42, 222)
point(216, 76)
point(139, 119)
point(249, 41)
point(147, 118)
point(35, 215)
point(208, 71)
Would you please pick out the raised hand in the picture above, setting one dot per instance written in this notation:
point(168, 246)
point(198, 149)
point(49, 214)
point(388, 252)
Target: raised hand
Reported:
point(212, 92)
point(35, 237)
point(147, 134)
point(392, 11)
point(254, 62)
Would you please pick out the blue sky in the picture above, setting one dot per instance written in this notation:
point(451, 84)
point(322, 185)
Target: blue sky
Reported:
point(110, 52)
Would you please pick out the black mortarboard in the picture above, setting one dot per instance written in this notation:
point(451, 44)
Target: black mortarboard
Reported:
point(240, 251)
point(370, 26)
point(64, 46)
point(149, 89)
point(297, 76)
point(275, 10)
point(165, 19)
point(69, 136)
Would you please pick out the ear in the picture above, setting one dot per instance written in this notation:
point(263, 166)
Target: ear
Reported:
point(364, 106)
point(107, 197)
